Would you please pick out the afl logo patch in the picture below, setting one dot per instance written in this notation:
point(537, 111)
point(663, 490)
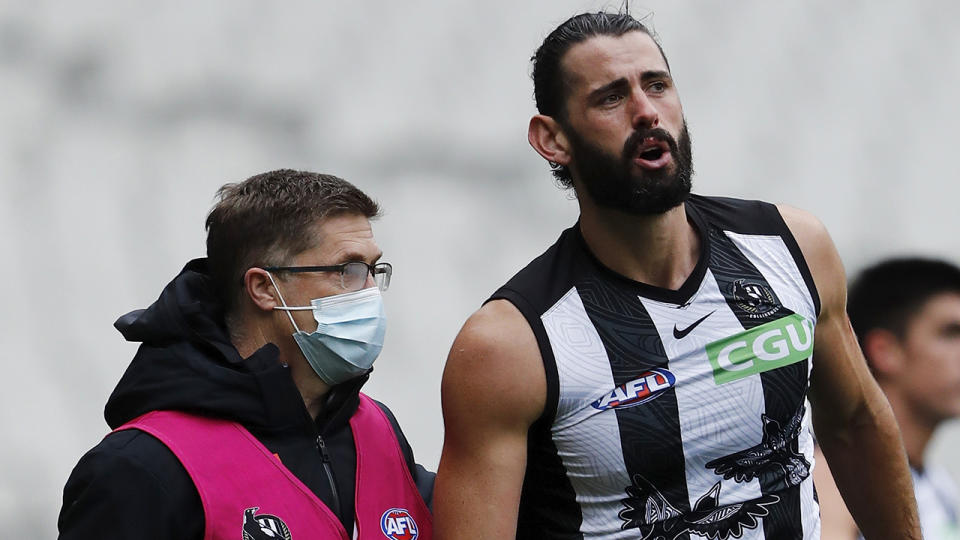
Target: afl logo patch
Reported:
point(264, 526)
point(755, 299)
point(648, 386)
point(398, 524)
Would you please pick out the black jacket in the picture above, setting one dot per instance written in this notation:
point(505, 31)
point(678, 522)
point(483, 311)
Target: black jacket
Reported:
point(131, 486)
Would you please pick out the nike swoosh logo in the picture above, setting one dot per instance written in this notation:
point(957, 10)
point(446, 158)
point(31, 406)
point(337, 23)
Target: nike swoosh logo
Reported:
point(680, 334)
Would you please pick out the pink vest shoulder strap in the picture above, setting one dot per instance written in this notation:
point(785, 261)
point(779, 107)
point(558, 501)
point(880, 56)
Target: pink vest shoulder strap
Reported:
point(388, 503)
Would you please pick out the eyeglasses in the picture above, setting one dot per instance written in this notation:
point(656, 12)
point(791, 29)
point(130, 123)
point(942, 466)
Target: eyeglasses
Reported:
point(353, 275)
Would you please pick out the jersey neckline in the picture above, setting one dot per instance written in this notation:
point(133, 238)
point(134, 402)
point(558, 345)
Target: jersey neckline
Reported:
point(690, 286)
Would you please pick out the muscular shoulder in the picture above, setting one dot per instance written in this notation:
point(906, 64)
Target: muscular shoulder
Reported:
point(494, 389)
point(820, 254)
point(809, 231)
point(135, 484)
point(495, 364)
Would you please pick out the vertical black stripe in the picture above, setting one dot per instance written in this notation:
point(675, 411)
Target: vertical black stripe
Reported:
point(649, 434)
point(754, 302)
point(548, 502)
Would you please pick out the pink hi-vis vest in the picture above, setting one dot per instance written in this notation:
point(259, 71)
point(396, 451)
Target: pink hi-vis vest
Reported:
point(248, 494)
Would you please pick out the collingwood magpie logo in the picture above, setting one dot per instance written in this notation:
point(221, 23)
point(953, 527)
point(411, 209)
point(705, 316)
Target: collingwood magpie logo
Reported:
point(648, 510)
point(264, 526)
point(755, 299)
point(776, 454)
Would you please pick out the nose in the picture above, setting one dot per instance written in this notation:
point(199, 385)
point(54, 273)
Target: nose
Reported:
point(644, 114)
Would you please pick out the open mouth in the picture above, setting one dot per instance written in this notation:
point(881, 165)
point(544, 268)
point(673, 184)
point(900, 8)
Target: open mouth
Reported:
point(653, 153)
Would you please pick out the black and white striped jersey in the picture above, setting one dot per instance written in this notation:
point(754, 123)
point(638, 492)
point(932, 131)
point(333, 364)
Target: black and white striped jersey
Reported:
point(674, 414)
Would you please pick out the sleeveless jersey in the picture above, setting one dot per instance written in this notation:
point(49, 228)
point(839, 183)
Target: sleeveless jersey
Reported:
point(247, 493)
point(674, 414)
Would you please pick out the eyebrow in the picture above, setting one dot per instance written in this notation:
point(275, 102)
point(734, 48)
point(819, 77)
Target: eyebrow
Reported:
point(619, 84)
point(655, 75)
point(352, 256)
point(952, 328)
point(622, 83)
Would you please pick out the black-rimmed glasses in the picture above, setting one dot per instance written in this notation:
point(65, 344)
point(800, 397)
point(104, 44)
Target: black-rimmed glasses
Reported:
point(353, 275)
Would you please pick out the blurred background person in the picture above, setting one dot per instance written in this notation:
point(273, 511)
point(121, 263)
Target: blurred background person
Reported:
point(906, 314)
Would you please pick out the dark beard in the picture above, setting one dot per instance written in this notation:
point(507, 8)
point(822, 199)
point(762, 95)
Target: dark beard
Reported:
point(611, 184)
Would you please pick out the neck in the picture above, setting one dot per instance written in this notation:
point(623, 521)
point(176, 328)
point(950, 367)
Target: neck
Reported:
point(312, 389)
point(246, 339)
point(314, 401)
point(915, 428)
point(249, 338)
point(659, 250)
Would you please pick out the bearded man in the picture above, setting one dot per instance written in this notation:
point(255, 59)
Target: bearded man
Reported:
point(648, 375)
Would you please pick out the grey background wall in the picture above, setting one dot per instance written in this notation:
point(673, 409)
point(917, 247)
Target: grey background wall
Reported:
point(119, 120)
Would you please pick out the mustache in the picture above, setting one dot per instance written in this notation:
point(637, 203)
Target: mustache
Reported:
point(636, 138)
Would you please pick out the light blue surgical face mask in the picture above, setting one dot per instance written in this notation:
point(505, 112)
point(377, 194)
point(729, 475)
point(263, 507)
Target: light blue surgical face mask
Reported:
point(349, 334)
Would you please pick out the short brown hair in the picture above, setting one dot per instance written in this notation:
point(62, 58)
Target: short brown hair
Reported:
point(266, 220)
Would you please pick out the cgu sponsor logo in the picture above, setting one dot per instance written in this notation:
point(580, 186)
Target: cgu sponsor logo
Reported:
point(769, 346)
point(649, 385)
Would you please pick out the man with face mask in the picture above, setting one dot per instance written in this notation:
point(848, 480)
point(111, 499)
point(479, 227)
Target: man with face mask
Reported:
point(241, 414)
point(648, 375)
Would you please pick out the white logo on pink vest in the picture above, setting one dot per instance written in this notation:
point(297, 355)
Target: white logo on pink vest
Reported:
point(264, 526)
point(398, 524)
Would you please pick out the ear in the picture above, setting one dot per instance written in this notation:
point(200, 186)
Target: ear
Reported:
point(547, 138)
point(257, 284)
point(884, 353)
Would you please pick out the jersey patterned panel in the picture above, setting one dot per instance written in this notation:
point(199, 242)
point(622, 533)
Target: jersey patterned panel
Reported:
point(674, 414)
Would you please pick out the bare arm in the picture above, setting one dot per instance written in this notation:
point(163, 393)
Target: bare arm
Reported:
point(493, 389)
point(836, 523)
point(855, 426)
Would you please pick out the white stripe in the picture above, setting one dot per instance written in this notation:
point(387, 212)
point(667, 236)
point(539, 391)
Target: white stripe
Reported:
point(587, 440)
point(775, 262)
point(713, 418)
